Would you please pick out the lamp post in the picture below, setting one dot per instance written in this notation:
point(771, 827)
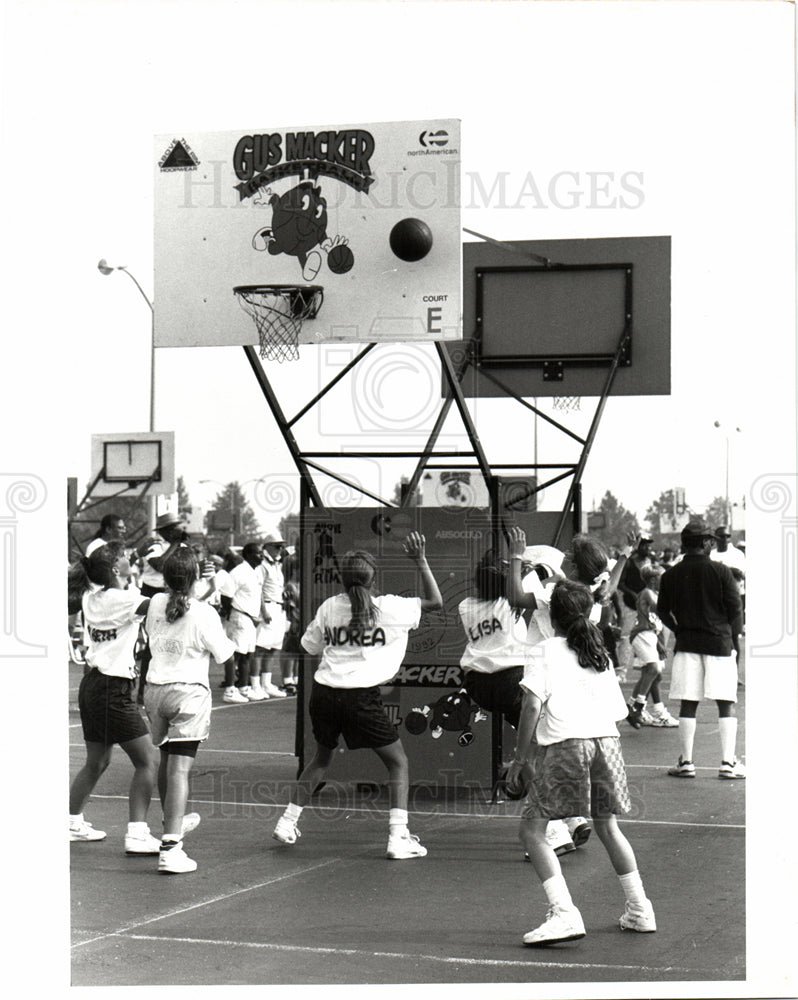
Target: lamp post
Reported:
point(105, 268)
point(725, 432)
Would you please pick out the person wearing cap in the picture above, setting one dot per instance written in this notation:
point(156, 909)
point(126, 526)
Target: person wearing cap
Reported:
point(700, 602)
point(273, 622)
point(153, 553)
point(731, 556)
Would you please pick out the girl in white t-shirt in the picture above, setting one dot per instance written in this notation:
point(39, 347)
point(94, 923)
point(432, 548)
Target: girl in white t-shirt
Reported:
point(362, 640)
point(568, 739)
point(183, 633)
point(112, 612)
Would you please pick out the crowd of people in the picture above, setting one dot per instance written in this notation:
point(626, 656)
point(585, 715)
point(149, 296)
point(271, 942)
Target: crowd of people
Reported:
point(548, 635)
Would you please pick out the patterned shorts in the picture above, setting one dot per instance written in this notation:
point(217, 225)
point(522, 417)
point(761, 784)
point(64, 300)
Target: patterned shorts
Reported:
point(578, 778)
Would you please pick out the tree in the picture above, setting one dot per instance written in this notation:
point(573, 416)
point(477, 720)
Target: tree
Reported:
point(618, 522)
point(717, 513)
point(184, 507)
point(232, 517)
point(400, 490)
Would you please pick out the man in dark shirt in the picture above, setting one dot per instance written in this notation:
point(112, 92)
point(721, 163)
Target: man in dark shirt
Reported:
point(699, 600)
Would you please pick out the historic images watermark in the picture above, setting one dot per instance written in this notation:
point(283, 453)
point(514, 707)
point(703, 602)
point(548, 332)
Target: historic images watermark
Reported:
point(21, 493)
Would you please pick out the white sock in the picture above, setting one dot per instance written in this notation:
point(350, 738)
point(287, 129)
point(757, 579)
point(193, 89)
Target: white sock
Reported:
point(138, 829)
point(632, 886)
point(293, 811)
point(557, 892)
point(728, 737)
point(659, 708)
point(254, 681)
point(397, 821)
point(267, 680)
point(76, 819)
point(686, 737)
point(640, 699)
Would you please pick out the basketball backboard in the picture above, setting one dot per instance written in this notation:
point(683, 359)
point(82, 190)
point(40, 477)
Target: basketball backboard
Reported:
point(310, 206)
point(121, 464)
point(550, 329)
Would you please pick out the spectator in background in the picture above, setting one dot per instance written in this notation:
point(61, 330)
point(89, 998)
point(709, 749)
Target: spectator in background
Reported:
point(273, 621)
point(244, 590)
point(700, 602)
point(732, 557)
point(629, 586)
point(112, 529)
point(292, 648)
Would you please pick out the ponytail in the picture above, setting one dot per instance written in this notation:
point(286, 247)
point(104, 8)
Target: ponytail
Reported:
point(571, 603)
point(98, 569)
point(77, 584)
point(180, 573)
point(358, 570)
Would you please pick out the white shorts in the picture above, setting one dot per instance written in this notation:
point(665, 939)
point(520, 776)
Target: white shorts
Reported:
point(644, 646)
point(240, 629)
point(695, 676)
point(271, 635)
point(178, 711)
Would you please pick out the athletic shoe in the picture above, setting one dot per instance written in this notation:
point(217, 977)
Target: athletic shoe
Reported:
point(254, 694)
point(405, 846)
point(580, 834)
point(662, 720)
point(731, 771)
point(559, 839)
point(290, 689)
point(274, 692)
point(634, 713)
point(286, 831)
point(561, 924)
point(174, 860)
point(234, 695)
point(85, 831)
point(143, 843)
point(646, 719)
point(684, 769)
point(638, 918)
point(190, 822)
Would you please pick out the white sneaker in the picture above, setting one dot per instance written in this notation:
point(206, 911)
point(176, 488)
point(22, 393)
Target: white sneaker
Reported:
point(286, 831)
point(143, 843)
point(638, 918)
point(190, 822)
point(405, 846)
point(558, 838)
point(561, 924)
point(85, 831)
point(662, 720)
point(175, 861)
point(731, 770)
point(274, 692)
point(233, 694)
point(255, 694)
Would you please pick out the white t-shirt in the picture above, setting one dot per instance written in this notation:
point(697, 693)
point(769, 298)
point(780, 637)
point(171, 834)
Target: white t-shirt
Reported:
point(734, 559)
point(495, 636)
point(181, 649)
point(361, 657)
point(111, 628)
point(149, 576)
point(246, 587)
point(273, 580)
point(578, 702)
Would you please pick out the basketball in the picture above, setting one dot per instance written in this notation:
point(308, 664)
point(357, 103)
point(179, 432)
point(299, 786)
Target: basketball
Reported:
point(415, 722)
point(520, 786)
point(340, 259)
point(411, 239)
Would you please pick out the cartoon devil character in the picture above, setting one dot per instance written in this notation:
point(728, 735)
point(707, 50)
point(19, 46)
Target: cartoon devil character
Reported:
point(452, 713)
point(299, 226)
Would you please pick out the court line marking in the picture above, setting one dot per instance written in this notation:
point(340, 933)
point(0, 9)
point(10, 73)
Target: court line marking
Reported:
point(207, 902)
point(380, 811)
point(415, 957)
point(207, 750)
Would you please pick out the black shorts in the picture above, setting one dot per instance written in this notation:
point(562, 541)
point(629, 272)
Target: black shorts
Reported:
point(108, 710)
point(499, 692)
point(291, 644)
point(357, 714)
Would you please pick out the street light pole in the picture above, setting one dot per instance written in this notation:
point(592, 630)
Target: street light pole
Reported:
point(105, 268)
point(719, 425)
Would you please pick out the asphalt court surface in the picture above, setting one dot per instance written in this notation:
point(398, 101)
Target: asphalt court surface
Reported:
point(333, 910)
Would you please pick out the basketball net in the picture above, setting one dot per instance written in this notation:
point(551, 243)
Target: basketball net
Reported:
point(567, 404)
point(279, 312)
